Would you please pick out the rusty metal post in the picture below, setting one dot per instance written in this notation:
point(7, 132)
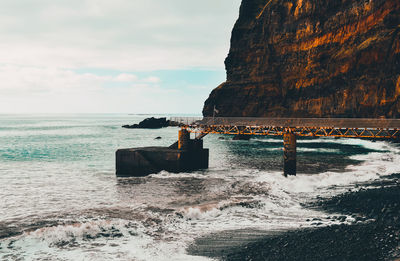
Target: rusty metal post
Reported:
point(289, 153)
point(183, 139)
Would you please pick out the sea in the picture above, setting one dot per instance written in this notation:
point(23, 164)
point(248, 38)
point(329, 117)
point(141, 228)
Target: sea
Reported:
point(61, 200)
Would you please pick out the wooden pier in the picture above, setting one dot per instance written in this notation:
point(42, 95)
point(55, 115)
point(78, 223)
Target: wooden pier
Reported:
point(290, 128)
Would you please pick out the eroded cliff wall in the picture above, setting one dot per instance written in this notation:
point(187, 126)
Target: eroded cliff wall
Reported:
point(312, 58)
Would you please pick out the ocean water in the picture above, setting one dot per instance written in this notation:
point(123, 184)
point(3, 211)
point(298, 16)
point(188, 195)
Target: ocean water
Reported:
point(60, 198)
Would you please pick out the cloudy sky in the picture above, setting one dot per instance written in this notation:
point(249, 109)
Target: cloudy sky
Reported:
point(108, 56)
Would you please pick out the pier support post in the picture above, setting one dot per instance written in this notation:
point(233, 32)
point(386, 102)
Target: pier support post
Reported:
point(183, 139)
point(289, 154)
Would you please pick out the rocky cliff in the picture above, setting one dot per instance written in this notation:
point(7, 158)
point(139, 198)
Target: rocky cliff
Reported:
point(312, 58)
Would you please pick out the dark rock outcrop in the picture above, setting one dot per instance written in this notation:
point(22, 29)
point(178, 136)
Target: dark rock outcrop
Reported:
point(151, 123)
point(312, 58)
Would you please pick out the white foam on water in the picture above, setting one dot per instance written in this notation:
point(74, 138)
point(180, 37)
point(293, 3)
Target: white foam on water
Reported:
point(301, 149)
point(167, 175)
point(262, 202)
point(280, 197)
point(94, 240)
point(267, 200)
point(267, 140)
point(322, 150)
point(374, 165)
point(241, 199)
point(369, 144)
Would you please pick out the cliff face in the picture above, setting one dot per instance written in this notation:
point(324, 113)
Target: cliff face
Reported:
point(312, 58)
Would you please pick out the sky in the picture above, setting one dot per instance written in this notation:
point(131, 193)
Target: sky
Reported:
point(112, 56)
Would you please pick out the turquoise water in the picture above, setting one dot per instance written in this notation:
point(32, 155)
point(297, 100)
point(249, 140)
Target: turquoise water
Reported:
point(60, 199)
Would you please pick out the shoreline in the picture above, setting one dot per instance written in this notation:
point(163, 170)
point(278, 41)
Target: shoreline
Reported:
point(374, 233)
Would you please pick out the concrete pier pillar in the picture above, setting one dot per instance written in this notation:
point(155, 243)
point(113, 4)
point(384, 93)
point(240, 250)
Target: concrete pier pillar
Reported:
point(289, 154)
point(183, 139)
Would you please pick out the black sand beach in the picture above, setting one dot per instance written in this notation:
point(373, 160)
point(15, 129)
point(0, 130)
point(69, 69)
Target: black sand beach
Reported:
point(373, 232)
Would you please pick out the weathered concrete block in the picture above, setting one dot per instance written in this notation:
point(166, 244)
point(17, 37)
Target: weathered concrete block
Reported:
point(139, 162)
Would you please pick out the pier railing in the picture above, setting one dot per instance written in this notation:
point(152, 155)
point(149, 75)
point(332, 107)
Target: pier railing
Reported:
point(337, 127)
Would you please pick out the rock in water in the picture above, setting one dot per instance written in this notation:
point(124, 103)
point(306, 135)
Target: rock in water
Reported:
point(149, 123)
point(312, 58)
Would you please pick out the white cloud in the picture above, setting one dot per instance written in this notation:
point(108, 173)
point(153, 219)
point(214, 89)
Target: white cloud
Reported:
point(40, 90)
point(45, 43)
point(120, 34)
point(23, 79)
point(152, 79)
point(126, 77)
